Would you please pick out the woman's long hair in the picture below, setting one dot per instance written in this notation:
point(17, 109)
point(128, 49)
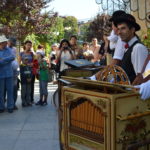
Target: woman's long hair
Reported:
point(64, 41)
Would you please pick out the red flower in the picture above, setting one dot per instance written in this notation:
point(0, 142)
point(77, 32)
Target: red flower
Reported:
point(145, 37)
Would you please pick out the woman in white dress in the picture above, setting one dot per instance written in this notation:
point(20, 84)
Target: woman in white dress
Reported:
point(63, 54)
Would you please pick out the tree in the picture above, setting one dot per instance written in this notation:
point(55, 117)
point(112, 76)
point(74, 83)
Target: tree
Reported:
point(56, 34)
point(57, 30)
point(23, 17)
point(98, 26)
point(70, 26)
point(83, 35)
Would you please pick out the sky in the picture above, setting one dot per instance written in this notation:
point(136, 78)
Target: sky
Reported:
point(81, 9)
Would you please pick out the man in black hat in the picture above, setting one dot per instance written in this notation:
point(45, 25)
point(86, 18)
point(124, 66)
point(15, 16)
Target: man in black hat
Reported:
point(135, 52)
point(116, 43)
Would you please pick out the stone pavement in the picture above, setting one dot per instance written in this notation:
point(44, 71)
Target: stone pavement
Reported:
point(30, 128)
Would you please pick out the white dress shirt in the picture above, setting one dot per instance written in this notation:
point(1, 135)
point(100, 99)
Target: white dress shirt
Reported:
point(119, 50)
point(113, 38)
point(138, 55)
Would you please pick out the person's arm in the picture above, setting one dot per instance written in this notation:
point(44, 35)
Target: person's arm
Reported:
point(146, 68)
point(6, 60)
point(145, 63)
point(116, 62)
point(58, 55)
point(138, 57)
point(71, 53)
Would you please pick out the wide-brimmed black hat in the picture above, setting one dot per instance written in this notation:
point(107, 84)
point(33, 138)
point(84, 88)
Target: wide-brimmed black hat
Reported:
point(116, 14)
point(128, 18)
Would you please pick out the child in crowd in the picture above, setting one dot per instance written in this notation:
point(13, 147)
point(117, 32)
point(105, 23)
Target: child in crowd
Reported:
point(25, 76)
point(43, 79)
point(52, 61)
point(87, 53)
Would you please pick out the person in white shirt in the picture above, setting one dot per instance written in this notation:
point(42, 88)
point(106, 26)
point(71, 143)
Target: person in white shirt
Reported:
point(135, 53)
point(144, 81)
point(40, 50)
point(116, 44)
point(63, 54)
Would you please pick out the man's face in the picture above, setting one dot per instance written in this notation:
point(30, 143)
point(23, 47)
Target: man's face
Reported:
point(125, 32)
point(73, 41)
point(3, 45)
point(94, 41)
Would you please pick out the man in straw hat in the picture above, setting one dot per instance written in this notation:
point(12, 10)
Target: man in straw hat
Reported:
point(135, 52)
point(6, 75)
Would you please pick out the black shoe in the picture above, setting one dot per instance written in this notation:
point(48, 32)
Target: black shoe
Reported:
point(24, 105)
point(38, 103)
point(2, 110)
point(29, 104)
point(44, 103)
point(10, 110)
point(15, 107)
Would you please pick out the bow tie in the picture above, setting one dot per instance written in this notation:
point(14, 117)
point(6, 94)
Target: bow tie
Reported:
point(126, 45)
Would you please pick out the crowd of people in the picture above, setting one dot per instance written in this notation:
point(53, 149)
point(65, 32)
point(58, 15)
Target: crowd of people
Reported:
point(27, 66)
point(120, 47)
point(23, 69)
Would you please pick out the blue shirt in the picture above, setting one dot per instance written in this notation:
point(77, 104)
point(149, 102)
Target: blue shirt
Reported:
point(29, 55)
point(6, 58)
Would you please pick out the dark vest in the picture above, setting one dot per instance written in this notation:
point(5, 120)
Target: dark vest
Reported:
point(127, 64)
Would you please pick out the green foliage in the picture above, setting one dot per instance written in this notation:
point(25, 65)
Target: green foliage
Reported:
point(70, 26)
point(146, 39)
point(84, 32)
point(23, 17)
point(98, 26)
point(57, 31)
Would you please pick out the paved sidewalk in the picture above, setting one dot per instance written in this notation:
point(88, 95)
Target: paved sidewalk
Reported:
point(30, 128)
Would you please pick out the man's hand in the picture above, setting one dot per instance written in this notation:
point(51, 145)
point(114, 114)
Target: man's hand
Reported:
point(138, 80)
point(144, 90)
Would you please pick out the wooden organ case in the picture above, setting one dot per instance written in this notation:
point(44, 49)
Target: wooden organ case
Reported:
point(102, 116)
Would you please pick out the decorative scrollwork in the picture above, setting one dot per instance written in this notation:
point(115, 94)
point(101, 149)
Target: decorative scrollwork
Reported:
point(113, 74)
point(142, 7)
point(148, 16)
